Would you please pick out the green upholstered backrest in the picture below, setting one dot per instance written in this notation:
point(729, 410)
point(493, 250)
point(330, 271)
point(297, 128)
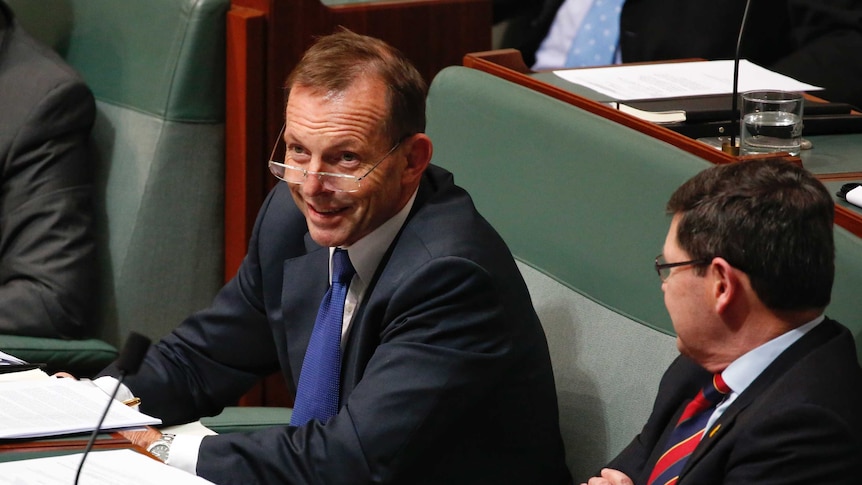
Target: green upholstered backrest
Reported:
point(606, 368)
point(161, 57)
point(579, 197)
point(156, 68)
point(846, 306)
point(580, 201)
point(573, 194)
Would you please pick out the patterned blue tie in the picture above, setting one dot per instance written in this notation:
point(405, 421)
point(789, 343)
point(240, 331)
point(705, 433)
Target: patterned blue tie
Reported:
point(320, 377)
point(597, 39)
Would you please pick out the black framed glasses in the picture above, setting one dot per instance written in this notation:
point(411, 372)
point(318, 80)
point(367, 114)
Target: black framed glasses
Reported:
point(662, 267)
point(336, 182)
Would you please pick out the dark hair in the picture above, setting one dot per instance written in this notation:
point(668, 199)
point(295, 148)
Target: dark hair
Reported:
point(335, 61)
point(768, 218)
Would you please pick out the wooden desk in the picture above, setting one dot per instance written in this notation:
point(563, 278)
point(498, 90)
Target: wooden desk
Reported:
point(12, 450)
point(835, 158)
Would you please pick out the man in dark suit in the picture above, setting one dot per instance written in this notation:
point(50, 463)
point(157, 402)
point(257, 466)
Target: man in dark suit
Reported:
point(47, 251)
point(816, 41)
point(747, 270)
point(445, 374)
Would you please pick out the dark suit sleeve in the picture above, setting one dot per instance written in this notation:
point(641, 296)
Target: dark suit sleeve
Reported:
point(443, 348)
point(214, 356)
point(47, 253)
point(679, 384)
point(828, 34)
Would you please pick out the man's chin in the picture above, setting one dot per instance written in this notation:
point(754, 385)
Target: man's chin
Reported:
point(328, 238)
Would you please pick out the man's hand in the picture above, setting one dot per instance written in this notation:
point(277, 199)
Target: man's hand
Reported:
point(610, 477)
point(142, 438)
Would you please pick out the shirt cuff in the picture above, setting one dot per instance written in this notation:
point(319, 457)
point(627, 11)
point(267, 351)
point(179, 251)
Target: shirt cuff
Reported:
point(107, 385)
point(184, 452)
point(184, 449)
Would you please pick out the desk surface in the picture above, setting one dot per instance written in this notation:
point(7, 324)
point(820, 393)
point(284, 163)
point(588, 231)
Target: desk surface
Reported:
point(831, 156)
point(835, 159)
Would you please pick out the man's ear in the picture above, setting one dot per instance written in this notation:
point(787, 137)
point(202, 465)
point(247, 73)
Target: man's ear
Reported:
point(725, 284)
point(418, 150)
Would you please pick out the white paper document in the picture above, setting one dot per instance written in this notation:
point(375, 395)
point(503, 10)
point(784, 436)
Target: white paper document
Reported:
point(100, 468)
point(24, 375)
point(50, 407)
point(8, 359)
point(854, 196)
point(679, 79)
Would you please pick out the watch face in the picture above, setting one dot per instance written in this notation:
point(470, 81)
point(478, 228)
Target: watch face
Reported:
point(160, 451)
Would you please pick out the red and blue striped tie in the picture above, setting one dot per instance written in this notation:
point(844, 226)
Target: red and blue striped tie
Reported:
point(688, 432)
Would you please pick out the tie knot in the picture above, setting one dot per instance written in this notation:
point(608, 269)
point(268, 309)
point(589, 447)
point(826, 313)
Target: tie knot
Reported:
point(716, 390)
point(342, 270)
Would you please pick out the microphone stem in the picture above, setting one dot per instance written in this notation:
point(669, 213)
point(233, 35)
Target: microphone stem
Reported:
point(96, 431)
point(735, 124)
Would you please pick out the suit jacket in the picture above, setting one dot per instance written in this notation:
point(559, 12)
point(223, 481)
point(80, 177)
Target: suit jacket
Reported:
point(446, 374)
point(816, 41)
point(47, 251)
point(799, 422)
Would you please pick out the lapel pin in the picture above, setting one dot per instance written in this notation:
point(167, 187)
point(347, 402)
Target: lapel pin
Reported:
point(714, 430)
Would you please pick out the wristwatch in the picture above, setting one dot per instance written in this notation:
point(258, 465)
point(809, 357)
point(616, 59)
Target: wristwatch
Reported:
point(161, 448)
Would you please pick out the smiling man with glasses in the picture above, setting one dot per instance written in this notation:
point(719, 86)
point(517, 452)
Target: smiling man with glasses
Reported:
point(767, 388)
point(394, 310)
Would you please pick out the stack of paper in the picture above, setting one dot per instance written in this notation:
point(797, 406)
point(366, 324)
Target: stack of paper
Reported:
point(50, 407)
point(679, 79)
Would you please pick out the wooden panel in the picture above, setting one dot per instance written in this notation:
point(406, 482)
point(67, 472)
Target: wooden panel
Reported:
point(112, 441)
point(244, 140)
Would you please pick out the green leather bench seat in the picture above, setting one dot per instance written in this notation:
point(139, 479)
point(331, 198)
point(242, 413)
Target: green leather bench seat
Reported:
point(85, 357)
point(247, 418)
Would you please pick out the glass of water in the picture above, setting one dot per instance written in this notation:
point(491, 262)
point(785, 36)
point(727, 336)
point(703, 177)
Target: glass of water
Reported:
point(771, 122)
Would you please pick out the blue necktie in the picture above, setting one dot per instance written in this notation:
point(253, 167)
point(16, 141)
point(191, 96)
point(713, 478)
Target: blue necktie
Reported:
point(320, 377)
point(595, 43)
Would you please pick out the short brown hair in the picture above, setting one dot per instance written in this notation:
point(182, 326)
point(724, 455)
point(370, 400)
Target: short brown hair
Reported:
point(769, 218)
point(335, 61)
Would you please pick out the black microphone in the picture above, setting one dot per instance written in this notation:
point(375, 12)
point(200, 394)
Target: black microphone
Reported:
point(732, 147)
point(128, 362)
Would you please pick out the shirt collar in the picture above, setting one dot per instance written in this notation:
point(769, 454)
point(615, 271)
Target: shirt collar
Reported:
point(366, 253)
point(744, 370)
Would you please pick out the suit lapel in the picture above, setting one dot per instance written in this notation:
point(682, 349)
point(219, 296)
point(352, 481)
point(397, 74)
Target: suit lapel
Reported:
point(722, 427)
point(368, 321)
point(306, 279)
